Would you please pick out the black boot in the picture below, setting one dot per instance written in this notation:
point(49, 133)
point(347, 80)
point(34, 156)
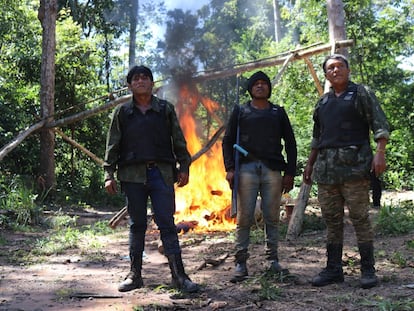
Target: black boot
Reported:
point(368, 277)
point(133, 279)
point(333, 272)
point(240, 272)
point(180, 279)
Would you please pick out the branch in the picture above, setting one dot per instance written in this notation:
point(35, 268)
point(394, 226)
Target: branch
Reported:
point(88, 113)
point(210, 143)
point(80, 147)
point(19, 138)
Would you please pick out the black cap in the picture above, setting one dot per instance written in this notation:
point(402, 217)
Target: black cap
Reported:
point(260, 75)
point(139, 70)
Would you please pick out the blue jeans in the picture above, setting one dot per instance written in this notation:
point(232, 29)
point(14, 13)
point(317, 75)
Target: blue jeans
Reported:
point(163, 207)
point(256, 179)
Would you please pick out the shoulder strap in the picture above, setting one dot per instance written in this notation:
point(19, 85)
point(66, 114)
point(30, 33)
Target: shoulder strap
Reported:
point(166, 110)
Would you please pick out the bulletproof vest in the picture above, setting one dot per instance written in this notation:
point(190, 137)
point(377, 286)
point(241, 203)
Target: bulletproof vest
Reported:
point(340, 122)
point(145, 137)
point(255, 128)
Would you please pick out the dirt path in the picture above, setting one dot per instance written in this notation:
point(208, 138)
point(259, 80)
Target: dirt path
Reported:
point(76, 281)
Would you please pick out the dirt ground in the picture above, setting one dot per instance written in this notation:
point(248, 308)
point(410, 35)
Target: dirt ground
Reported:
point(75, 281)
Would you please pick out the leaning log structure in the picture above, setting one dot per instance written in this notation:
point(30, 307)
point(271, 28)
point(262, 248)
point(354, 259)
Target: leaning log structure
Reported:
point(281, 59)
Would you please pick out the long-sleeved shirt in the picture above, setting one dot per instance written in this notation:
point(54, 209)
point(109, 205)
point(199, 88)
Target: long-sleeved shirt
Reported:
point(136, 171)
point(336, 165)
point(262, 132)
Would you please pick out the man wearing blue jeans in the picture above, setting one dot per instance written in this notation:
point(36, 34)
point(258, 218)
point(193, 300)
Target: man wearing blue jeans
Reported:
point(144, 145)
point(261, 126)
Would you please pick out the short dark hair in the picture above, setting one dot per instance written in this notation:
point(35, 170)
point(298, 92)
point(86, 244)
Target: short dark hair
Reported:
point(335, 56)
point(139, 70)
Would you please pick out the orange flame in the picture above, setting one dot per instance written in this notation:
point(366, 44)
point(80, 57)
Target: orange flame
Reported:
point(206, 199)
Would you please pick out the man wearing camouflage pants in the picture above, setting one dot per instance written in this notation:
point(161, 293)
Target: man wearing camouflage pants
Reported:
point(341, 161)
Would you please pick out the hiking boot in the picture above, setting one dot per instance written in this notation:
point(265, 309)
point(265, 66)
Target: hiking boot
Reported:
point(368, 278)
point(180, 279)
point(328, 276)
point(240, 272)
point(333, 272)
point(276, 268)
point(131, 282)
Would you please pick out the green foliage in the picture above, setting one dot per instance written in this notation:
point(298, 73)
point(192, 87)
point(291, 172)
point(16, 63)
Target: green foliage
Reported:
point(396, 219)
point(397, 304)
point(313, 222)
point(398, 259)
point(67, 236)
point(18, 202)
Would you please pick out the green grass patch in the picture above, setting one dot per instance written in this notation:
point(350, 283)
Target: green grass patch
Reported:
point(395, 220)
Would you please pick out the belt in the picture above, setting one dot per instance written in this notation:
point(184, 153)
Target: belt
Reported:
point(151, 164)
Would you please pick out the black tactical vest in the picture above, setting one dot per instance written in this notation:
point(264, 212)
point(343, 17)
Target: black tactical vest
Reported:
point(340, 122)
point(145, 137)
point(261, 132)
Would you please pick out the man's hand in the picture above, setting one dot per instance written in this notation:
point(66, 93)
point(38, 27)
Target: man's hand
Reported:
point(230, 178)
point(287, 183)
point(307, 175)
point(378, 165)
point(110, 186)
point(182, 179)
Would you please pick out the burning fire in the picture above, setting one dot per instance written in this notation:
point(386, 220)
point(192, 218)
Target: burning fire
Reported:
point(206, 199)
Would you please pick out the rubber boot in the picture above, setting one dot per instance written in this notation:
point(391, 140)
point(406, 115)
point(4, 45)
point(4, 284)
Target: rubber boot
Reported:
point(368, 278)
point(133, 280)
point(180, 279)
point(333, 272)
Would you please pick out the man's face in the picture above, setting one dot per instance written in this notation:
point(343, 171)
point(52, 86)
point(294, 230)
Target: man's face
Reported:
point(141, 84)
point(260, 89)
point(336, 72)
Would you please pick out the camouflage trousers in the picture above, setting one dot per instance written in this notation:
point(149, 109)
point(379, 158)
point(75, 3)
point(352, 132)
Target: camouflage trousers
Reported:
point(355, 196)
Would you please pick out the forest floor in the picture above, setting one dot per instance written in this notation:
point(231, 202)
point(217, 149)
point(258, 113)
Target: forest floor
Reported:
point(88, 279)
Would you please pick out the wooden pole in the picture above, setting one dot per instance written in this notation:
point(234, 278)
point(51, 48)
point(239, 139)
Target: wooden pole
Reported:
point(88, 113)
point(80, 147)
point(299, 54)
point(19, 138)
point(296, 220)
point(314, 75)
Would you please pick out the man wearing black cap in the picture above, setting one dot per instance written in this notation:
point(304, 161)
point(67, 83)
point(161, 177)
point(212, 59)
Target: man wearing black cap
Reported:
point(262, 126)
point(144, 145)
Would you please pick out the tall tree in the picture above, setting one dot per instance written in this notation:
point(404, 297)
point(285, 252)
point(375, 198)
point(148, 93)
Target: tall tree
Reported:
point(336, 23)
point(47, 16)
point(133, 19)
point(276, 16)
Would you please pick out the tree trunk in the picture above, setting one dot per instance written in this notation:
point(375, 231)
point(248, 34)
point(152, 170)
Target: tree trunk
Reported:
point(276, 15)
point(336, 24)
point(133, 20)
point(47, 16)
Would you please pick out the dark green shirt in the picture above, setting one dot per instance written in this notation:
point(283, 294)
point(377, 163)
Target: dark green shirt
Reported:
point(136, 172)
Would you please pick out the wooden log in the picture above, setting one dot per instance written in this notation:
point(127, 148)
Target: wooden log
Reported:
point(19, 138)
point(275, 81)
point(88, 113)
point(314, 75)
point(299, 54)
point(209, 144)
point(296, 220)
point(80, 147)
